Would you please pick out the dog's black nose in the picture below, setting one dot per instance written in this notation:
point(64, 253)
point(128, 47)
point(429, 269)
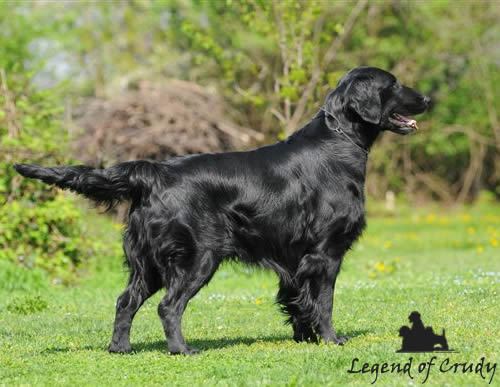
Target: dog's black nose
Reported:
point(427, 100)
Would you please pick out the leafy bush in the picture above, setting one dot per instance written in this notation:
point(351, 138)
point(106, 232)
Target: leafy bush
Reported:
point(46, 235)
point(40, 227)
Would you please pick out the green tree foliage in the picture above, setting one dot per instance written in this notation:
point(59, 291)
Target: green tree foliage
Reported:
point(106, 43)
point(39, 226)
point(269, 58)
point(278, 59)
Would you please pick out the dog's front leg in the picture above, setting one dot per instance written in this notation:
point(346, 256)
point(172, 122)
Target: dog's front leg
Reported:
point(316, 275)
point(326, 287)
point(287, 296)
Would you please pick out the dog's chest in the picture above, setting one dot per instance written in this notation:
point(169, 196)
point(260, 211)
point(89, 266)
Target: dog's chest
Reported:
point(341, 221)
point(331, 222)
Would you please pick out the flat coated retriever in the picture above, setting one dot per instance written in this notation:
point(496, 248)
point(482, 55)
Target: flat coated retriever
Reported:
point(295, 207)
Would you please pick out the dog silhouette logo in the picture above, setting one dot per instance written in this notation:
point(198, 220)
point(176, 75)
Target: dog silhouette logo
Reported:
point(419, 338)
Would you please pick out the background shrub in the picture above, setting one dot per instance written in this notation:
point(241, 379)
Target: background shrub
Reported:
point(40, 227)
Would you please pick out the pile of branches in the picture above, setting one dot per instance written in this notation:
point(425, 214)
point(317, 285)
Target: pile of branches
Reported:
point(156, 121)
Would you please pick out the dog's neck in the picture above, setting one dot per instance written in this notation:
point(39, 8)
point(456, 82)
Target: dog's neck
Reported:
point(360, 132)
point(341, 132)
point(331, 147)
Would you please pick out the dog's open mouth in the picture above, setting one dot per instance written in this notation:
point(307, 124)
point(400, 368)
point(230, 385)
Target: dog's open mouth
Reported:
point(403, 121)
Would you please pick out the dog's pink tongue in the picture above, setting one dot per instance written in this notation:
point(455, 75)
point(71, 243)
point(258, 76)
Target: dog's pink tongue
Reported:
point(413, 124)
point(408, 121)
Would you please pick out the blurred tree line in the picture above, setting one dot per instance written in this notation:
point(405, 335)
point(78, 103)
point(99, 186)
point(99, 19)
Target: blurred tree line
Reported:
point(273, 62)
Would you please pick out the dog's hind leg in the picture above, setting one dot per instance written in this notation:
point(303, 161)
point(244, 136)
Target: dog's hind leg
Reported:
point(302, 331)
point(183, 284)
point(139, 289)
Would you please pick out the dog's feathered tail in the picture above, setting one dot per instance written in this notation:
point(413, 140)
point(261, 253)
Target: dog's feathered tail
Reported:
point(125, 181)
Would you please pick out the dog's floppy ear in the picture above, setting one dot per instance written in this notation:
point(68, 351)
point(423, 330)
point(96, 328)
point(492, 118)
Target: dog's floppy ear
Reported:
point(362, 97)
point(333, 103)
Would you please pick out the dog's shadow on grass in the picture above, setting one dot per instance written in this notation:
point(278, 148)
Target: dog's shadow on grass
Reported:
point(208, 344)
point(202, 344)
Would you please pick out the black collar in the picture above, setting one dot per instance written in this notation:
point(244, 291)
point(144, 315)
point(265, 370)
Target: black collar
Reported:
point(338, 130)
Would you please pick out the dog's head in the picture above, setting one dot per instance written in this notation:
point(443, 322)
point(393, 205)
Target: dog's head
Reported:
point(414, 317)
point(375, 96)
point(404, 331)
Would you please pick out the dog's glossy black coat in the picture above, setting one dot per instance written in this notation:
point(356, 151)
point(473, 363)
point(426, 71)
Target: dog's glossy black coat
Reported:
point(295, 207)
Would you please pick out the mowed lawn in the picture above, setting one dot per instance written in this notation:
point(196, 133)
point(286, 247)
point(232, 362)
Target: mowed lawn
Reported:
point(443, 263)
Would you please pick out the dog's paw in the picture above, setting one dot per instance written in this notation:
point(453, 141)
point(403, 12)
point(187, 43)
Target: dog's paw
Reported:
point(339, 340)
point(304, 332)
point(117, 348)
point(309, 337)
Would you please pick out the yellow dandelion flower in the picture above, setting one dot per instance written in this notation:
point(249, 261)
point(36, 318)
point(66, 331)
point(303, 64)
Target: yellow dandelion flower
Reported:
point(494, 242)
point(387, 244)
point(465, 217)
point(380, 266)
point(479, 249)
point(471, 230)
point(258, 301)
point(430, 218)
point(372, 275)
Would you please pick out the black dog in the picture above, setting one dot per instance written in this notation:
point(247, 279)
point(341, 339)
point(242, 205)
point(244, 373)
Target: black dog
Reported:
point(295, 207)
point(420, 338)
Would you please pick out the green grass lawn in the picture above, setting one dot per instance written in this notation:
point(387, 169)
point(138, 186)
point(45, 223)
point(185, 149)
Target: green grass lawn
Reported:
point(445, 264)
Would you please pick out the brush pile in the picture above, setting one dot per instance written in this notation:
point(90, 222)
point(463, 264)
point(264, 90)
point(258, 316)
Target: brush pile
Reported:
point(155, 121)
